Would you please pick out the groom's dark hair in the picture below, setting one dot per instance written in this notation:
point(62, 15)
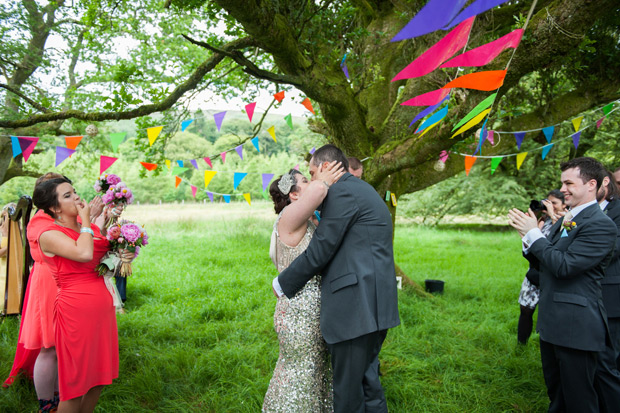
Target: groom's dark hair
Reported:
point(330, 153)
point(589, 168)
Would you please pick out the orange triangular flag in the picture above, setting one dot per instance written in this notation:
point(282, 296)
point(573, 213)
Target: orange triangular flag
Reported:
point(489, 80)
point(73, 141)
point(149, 166)
point(177, 181)
point(279, 96)
point(469, 162)
point(308, 105)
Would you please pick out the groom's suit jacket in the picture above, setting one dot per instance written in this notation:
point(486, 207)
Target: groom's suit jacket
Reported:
point(611, 282)
point(571, 266)
point(352, 250)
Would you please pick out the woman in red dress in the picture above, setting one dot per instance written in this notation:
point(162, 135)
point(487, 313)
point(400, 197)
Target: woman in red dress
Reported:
point(85, 331)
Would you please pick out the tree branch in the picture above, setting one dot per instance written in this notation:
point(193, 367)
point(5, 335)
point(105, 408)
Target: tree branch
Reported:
point(31, 102)
point(143, 110)
point(248, 66)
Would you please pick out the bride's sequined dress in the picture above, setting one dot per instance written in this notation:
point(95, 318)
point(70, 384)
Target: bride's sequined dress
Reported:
point(302, 379)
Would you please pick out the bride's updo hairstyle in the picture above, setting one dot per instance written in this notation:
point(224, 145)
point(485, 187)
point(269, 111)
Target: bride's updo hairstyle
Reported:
point(280, 199)
point(45, 196)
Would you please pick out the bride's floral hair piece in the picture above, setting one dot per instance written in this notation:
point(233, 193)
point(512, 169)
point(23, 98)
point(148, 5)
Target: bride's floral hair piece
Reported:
point(286, 183)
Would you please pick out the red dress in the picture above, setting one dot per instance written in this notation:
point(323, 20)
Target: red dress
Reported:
point(85, 321)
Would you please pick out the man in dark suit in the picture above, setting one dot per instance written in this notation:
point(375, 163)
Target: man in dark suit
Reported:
point(572, 321)
point(607, 382)
point(352, 249)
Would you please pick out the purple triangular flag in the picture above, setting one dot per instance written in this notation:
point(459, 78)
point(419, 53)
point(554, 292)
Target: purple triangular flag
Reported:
point(576, 137)
point(428, 110)
point(433, 16)
point(345, 70)
point(194, 163)
point(266, 179)
point(62, 154)
point(545, 150)
point(548, 131)
point(477, 7)
point(312, 150)
point(519, 137)
point(598, 122)
point(219, 117)
point(210, 195)
point(239, 150)
point(483, 136)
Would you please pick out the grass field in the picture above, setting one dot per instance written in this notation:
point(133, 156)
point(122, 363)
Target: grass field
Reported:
point(198, 335)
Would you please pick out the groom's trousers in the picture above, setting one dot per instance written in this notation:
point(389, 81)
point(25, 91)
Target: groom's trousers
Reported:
point(357, 388)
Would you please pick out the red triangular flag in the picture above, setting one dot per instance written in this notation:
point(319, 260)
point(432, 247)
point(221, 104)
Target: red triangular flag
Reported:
point(73, 141)
point(177, 181)
point(223, 155)
point(149, 166)
point(194, 189)
point(279, 96)
point(308, 105)
point(249, 109)
point(105, 162)
point(208, 161)
point(27, 144)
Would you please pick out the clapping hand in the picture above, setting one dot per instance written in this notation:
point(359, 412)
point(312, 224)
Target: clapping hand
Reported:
point(521, 221)
point(96, 207)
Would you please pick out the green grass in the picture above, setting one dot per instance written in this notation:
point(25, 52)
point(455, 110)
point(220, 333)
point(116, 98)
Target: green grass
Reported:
point(198, 336)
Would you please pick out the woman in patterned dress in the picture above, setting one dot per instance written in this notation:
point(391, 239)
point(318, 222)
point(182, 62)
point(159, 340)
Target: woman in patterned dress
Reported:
point(302, 378)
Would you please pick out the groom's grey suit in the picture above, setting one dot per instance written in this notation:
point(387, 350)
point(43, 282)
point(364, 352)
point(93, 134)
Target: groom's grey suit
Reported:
point(352, 249)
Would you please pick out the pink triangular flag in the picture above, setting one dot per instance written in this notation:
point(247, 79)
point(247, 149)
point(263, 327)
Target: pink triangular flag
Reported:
point(223, 155)
point(484, 54)
point(219, 117)
point(296, 167)
point(62, 154)
point(598, 122)
point(427, 99)
point(105, 162)
point(490, 137)
point(194, 189)
point(249, 109)
point(27, 144)
point(438, 53)
point(443, 156)
point(239, 150)
point(208, 161)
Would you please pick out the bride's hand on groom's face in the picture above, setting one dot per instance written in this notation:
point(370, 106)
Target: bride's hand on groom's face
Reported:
point(330, 173)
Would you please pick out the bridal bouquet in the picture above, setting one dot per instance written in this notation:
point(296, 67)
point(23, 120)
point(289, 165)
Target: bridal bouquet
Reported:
point(104, 182)
point(124, 235)
point(115, 193)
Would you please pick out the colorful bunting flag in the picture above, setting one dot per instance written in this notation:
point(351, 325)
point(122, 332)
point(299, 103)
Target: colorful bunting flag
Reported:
point(255, 143)
point(428, 129)
point(433, 16)
point(490, 137)
point(168, 165)
point(312, 150)
point(520, 158)
point(577, 123)
point(279, 96)
point(345, 70)
point(264, 194)
point(219, 117)
point(428, 110)
point(519, 138)
point(308, 105)
point(607, 108)
point(546, 149)
point(27, 145)
point(15, 146)
point(223, 156)
point(488, 80)
point(210, 195)
point(436, 117)
point(548, 132)
point(194, 189)
point(266, 180)
point(248, 198)
point(73, 141)
point(177, 181)
point(469, 162)
point(483, 136)
point(473, 122)
point(249, 109)
point(116, 139)
point(576, 136)
point(194, 163)
point(272, 132)
point(105, 162)
point(239, 150)
point(438, 53)
point(185, 124)
point(289, 120)
point(149, 166)
point(181, 164)
point(178, 170)
point(598, 122)
point(488, 101)
point(237, 178)
point(153, 133)
point(208, 161)
point(443, 156)
point(477, 7)
point(495, 163)
point(208, 177)
point(226, 198)
point(62, 154)
point(483, 55)
point(429, 98)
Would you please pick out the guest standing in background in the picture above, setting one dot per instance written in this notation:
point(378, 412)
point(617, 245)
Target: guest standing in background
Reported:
point(355, 167)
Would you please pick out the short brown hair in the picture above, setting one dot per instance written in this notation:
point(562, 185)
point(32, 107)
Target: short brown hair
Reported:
point(354, 163)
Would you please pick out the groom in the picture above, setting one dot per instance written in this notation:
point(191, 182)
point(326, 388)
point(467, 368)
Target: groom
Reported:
point(352, 250)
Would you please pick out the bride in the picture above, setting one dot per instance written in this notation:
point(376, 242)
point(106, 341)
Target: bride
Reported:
point(302, 378)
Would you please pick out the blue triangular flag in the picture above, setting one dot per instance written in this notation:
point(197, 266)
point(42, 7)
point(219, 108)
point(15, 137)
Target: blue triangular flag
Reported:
point(546, 149)
point(483, 136)
point(238, 177)
point(17, 149)
point(185, 124)
point(226, 198)
point(548, 131)
point(180, 163)
point(434, 118)
point(255, 143)
point(519, 137)
point(576, 137)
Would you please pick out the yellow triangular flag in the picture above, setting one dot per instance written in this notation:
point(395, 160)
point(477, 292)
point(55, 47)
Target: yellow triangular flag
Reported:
point(208, 176)
point(476, 120)
point(520, 158)
point(153, 133)
point(577, 123)
point(248, 198)
point(168, 163)
point(429, 128)
point(272, 132)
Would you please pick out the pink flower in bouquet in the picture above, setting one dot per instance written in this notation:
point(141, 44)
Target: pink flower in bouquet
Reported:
point(118, 195)
point(145, 237)
point(120, 185)
point(120, 240)
point(97, 187)
point(114, 232)
point(113, 179)
point(108, 196)
point(137, 251)
point(131, 232)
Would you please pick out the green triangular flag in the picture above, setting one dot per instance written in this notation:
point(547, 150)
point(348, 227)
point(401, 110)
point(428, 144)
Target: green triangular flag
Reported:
point(177, 170)
point(265, 195)
point(479, 108)
point(495, 162)
point(289, 120)
point(608, 108)
point(116, 139)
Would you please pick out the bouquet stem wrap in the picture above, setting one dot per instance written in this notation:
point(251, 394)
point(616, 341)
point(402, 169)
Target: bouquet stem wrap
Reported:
point(125, 267)
point(109, 262)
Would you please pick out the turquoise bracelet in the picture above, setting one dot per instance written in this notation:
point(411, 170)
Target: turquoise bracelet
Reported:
point(90, 231)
